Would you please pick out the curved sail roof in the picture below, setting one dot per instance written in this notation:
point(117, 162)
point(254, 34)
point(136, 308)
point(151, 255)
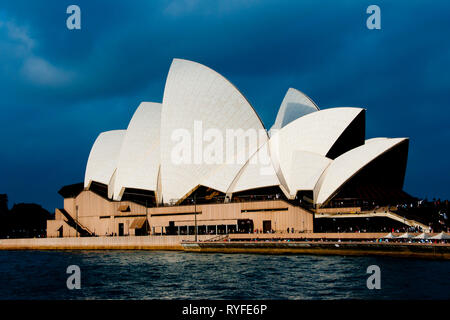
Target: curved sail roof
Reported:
point(139, 158)
point(347, 165)
point(309, 138)
point(295, 104)
point(198, 100)
point(317, 132)
point(374, 139)
point(305, 170)
point(258, 172)
point(205, 133)
point(102, 161)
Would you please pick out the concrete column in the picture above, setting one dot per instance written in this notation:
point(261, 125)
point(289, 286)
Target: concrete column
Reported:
point(226, 229)
point(216, 229)
point(178, 230)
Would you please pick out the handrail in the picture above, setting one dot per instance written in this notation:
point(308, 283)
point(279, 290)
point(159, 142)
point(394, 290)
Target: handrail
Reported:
point(218, 237)
point(76, 221)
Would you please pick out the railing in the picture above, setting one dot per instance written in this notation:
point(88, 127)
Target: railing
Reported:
point(411, 222)
point(83, 230)
point(208, 200)
point(219, 237)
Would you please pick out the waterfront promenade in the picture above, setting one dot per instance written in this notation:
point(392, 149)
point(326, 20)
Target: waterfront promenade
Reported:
point(99, 243)
point(354, 248)
point(306, 243)
point(161, 242)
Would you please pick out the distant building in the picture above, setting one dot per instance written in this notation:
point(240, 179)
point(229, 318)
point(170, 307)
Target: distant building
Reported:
point(24, 220)
point(136, 182)
point(3, 203)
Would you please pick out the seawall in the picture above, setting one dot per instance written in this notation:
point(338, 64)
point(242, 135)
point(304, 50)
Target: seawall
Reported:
point(351, 244)
point(99, 243)
point(407, 250)
point(155, 242)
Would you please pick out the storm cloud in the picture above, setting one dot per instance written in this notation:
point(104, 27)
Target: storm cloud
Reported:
point(60, 88)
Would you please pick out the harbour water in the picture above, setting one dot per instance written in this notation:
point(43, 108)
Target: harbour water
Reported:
point(182, 275)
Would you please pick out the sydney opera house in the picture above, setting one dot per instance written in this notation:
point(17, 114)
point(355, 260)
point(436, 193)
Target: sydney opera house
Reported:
point(203, 158)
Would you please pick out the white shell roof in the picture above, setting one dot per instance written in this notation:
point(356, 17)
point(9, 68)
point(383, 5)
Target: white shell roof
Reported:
point(318, 131)
point(192, 93)
point(306, 169)
point(139, 158)
point(143, 157)
point(348, 164)
point(309, 138)
point(374, 139)
point(258, 172)
point(294, 105)
point(102, 161)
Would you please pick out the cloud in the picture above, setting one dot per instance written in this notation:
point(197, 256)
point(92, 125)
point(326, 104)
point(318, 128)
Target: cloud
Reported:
point(63, 87)
point(18, 33)
point(41, 72)
point(30, 70)
point(179, 8)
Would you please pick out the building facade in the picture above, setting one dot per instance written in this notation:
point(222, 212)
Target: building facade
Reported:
point(203, 157)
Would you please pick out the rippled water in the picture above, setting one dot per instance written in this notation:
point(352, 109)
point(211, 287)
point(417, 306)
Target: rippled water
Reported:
point(181, 275)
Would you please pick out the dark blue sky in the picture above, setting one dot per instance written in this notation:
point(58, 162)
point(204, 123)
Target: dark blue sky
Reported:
point(60, 88)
